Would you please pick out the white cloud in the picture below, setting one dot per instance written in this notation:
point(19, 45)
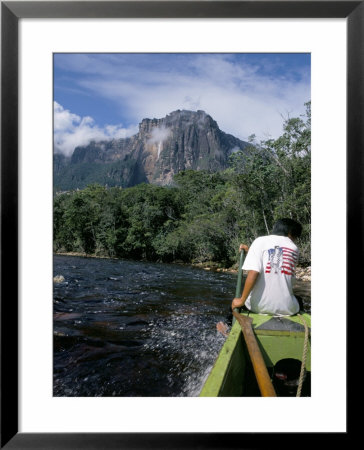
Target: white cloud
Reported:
point(63, 119)
point(71, 130)
point(239, 98)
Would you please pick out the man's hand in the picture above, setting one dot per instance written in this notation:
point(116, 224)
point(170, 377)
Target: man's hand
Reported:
point(237, 303)
point(243, 247)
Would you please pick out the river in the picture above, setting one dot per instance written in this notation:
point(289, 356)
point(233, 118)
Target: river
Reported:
point(124, 328)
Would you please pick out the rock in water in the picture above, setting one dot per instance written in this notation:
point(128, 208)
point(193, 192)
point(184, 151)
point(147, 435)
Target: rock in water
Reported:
point(58, 279)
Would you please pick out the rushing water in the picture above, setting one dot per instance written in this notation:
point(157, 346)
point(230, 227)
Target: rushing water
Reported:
point(125, 328)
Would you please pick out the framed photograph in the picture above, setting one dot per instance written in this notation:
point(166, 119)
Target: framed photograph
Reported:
point(59, 54)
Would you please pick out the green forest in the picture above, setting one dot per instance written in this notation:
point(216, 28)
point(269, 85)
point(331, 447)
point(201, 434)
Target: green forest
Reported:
point(203, 216)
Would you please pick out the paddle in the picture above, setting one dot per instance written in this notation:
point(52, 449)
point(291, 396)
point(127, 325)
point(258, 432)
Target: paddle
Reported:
point(240, 276)
point(260, 369)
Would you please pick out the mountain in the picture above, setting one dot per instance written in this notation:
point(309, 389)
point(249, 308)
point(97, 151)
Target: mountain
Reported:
point(163, 147)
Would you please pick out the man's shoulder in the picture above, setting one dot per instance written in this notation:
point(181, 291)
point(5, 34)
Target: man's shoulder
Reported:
point(272, 240)
point(258, 241)
point(262, 239)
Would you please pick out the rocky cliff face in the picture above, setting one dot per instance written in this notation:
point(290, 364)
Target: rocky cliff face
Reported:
point(162, 147)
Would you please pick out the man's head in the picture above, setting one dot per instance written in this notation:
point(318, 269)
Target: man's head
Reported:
point(287, 227)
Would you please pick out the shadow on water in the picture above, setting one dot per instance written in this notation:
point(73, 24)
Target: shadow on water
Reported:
point(124, 328)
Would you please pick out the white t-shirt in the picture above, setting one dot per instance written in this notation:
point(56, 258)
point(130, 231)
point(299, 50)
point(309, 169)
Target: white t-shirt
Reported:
point(275, 258)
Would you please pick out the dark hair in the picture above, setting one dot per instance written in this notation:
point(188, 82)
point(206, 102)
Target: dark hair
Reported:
point(283, 227)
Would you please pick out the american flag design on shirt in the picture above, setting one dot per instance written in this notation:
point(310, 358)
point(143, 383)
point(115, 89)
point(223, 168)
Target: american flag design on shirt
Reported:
point(281, 260)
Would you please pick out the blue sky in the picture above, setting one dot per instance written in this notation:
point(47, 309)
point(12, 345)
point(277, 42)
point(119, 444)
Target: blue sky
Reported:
point(100, 96)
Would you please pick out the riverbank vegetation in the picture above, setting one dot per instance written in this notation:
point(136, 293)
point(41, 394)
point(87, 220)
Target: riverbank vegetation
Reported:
point(203, 216)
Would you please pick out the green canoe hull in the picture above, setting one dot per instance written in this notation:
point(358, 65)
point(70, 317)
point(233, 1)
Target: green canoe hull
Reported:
point(278, 338)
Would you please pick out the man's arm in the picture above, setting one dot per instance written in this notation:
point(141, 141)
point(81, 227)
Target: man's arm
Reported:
point(249, 284)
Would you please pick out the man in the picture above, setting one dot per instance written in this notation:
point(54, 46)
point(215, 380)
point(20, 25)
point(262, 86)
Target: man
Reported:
point(271, 263)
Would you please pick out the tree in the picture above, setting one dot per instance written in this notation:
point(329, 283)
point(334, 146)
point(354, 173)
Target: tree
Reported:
point(204, 215)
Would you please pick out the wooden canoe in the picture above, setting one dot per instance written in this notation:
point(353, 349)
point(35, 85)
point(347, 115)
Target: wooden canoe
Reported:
point(281, 342)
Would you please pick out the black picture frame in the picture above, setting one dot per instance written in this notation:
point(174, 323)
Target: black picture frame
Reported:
point(11, 12)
